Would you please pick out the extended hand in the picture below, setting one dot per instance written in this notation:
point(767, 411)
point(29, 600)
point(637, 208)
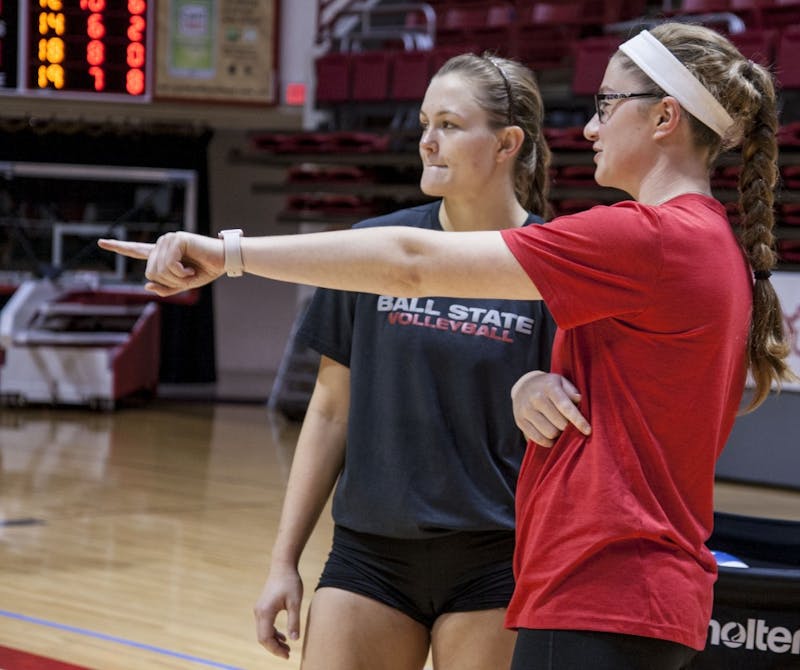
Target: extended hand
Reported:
point(544, 404)
point(176, 262)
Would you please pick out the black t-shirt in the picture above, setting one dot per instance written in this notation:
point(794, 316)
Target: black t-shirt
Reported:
point(432, 446)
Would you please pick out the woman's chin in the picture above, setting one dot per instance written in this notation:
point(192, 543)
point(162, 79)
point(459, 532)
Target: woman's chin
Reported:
point(433, 189)
point(600, 179)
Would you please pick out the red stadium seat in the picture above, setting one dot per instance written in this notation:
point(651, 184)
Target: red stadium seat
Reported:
point(591, 56)
point(703, 6)
point(440, 55)
point(268, 141)
point(599, 13)
point(547, 32)
point(726, 176)
point(371, 72)
point(355, 141)
point(457, 24)
point(789, 251)
point(306, 142)
point(496, 34)
point(757, 44)
point(789, 135)
point(458, 18)
point(310, 173)
point(333, 72)
point(330, 205)
point(790, 214)
point(412, 71)
point(566, 138)
point(632, 9)
point(790, 174)
point(787, 57)
point(576, 175)
point(749, 11)
point(780, 13)
point(553, 14)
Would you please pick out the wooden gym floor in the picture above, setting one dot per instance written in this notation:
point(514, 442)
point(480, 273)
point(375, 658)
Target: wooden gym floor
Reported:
point(140, 539)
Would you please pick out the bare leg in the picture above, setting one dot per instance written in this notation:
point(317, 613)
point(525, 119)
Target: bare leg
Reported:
point(472, 641)
point(347, 631)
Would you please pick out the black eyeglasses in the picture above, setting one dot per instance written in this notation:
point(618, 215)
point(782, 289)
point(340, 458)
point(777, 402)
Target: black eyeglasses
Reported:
point(601, 101)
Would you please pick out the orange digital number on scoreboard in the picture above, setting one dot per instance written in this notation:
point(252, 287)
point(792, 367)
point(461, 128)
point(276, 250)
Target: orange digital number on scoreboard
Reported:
point(86, 48)
point(136, 52)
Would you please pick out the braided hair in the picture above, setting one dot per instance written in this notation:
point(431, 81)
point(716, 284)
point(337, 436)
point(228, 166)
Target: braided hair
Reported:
point(747, 91)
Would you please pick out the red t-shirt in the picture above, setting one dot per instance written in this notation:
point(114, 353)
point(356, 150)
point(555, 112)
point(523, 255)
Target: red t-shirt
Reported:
point(653, 305)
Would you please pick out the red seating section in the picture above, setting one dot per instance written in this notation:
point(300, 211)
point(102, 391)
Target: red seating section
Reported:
point(758, 44)
point(319, 142)
point(566, 34)
point(412, 71)
point(747, 10)
point(787, 59)
point(704, 6)
point(547, 31)
point(557, 33)
point(371, 75)
point(457, 22)
point(780, 13)
point(440, 55)
point(590, 57)
point(496, 34)
point(333, 73)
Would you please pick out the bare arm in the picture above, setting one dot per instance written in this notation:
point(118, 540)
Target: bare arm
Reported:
point(400, 261)
point(318, 460)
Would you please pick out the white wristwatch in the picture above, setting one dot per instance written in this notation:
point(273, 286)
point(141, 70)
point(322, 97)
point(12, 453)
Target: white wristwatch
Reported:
point(232, 245)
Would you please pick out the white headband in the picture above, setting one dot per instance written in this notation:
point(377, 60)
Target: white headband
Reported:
point(660, 64)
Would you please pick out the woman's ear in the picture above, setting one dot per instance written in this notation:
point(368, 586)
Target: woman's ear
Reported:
point(668, 114)
point(511, 139)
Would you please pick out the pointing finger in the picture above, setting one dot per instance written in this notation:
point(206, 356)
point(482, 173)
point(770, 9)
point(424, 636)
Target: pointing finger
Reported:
point(140, 250)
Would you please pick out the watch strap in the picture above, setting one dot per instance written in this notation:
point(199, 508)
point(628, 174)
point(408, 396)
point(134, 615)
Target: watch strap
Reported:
point(232, 247)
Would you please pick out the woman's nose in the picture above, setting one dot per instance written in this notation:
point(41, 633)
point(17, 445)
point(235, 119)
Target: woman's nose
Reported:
point(590, 129)
point(426, 140)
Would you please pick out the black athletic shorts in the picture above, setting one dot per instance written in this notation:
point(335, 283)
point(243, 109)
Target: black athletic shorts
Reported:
point(425, 578)
point(581, 649)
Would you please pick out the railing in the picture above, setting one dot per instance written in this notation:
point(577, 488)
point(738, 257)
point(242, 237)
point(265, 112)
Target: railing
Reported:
point(349, 26)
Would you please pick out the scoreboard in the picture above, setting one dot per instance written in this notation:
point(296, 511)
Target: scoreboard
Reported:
point(89, 49)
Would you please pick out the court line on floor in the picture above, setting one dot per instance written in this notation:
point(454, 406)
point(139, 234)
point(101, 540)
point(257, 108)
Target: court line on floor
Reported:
point(117, 640)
